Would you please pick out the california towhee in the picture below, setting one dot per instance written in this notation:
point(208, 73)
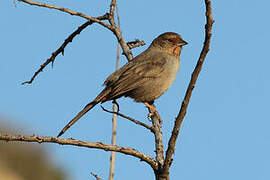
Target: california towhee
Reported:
point(145, 78)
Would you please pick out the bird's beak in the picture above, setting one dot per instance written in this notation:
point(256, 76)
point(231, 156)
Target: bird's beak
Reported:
point(182, 43)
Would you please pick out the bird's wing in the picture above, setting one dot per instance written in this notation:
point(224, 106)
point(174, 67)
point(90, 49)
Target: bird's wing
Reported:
point(116, 75)
point(136, 75)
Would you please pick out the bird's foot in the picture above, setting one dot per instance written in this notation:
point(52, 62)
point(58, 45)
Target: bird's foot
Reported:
point(153, 111)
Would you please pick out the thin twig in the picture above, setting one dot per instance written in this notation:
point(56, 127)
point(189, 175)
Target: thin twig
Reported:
point(96, 176)
point(62, 47)
point(131, 119)
point(74, 13)
point(113, 154)
point(195, 74)
point(115, 109)
point(74, 142)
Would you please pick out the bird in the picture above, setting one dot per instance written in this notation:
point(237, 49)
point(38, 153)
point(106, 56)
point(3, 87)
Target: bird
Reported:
point(145, 78)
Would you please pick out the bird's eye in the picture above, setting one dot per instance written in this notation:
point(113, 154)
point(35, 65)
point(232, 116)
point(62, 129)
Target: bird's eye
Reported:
point(170, 40)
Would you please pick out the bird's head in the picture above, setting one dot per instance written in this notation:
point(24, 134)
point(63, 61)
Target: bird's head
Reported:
point(169, 42)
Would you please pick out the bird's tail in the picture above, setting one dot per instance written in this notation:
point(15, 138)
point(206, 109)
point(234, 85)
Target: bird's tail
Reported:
point(87, 108)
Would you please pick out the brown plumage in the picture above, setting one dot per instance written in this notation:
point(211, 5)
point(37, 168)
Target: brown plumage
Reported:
point(145, 78)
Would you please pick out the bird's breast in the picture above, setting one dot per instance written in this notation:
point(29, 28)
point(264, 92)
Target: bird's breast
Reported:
point(170, 72)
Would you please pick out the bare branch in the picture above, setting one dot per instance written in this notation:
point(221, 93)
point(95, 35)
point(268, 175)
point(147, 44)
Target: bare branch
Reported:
point(62, 47)
point(159, 149)
point(125, 48)
point(114, 130)
point(113, 27)
point(115, 109)
point(117, 32)
point(74, 13)
point(96, 176)
point(112, 10)
point(195, 74)
point(131, 119)
point(95, 145)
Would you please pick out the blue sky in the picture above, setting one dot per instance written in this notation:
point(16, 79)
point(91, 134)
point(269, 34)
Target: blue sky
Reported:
point(225, 134)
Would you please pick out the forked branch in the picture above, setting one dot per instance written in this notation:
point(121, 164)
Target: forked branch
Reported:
point(100, 20)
